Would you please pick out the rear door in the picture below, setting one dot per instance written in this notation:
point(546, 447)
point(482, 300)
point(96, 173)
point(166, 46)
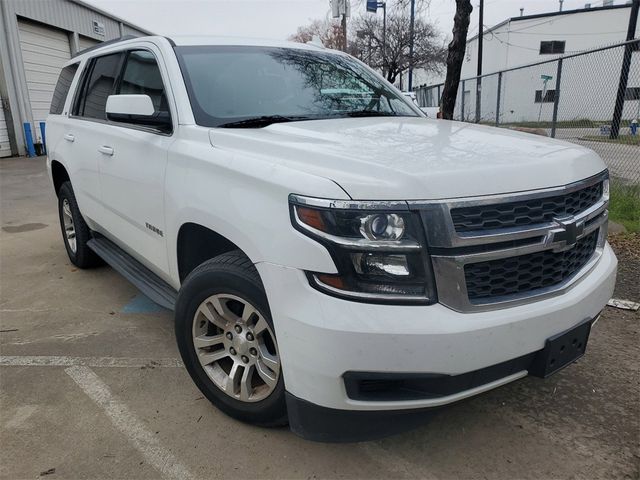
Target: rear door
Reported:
point(132, 160)
point(84, 132)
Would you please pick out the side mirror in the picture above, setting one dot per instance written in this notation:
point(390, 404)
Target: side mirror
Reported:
point(137, 110)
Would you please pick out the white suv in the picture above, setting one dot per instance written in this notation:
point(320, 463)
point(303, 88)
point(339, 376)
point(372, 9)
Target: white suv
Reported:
point(335, 259)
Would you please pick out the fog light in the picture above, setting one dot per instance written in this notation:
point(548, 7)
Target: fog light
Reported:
point(380, 264)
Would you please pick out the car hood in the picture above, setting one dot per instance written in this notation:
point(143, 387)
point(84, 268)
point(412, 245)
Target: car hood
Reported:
point(410, 158)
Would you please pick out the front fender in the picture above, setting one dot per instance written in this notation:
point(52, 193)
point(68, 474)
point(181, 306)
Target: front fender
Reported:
point(245, 199)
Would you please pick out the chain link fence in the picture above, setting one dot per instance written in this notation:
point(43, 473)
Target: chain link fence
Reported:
point(572, 98)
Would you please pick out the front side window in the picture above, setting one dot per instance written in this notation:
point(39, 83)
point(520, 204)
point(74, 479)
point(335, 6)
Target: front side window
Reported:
point(99, 84)
point(236, 86)
point(61, 90)
point(142, 76)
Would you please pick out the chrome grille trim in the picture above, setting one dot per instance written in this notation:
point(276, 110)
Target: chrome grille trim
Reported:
point(438, 213)
point(449, 267)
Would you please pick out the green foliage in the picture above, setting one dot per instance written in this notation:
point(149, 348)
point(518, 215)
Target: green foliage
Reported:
point(624, 206)
point(622, 139)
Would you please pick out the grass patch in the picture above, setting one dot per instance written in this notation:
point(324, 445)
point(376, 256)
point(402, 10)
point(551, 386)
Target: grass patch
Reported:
point(622, 139)
point(624, 206)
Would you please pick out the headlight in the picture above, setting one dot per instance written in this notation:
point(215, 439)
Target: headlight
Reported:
point(378, 248)
point(382, 226)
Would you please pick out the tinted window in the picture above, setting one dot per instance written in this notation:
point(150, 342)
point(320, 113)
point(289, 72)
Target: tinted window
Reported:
point(142, 76)
point(549, 96)
point(554, 46)
point(98, 85)
point(632, 93)
point(62, 88)
point(231, 84)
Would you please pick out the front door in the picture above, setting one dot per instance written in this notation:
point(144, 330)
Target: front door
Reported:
point(132, 160)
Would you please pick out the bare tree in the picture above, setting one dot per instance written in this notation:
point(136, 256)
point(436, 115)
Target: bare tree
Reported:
point(455, 56)
point(421, 5)
point(329, 32)
point(391, 55)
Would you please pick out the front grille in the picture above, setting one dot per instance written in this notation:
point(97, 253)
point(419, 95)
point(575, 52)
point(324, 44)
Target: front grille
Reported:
point(527, 273)
point(525, 212)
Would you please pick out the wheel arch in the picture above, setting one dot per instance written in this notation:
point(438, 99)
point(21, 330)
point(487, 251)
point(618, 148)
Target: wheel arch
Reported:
point(59, 175)
point(196, 244)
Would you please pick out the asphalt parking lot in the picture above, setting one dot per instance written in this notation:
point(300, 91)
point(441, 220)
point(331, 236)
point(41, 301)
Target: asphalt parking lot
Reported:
point(91, 386)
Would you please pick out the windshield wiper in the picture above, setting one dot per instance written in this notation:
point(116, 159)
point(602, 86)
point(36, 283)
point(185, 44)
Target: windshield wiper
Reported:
point(262, 121)
point(372, 113)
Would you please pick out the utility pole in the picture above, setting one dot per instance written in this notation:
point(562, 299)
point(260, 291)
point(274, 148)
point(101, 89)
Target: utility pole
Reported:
point(479, 71)
point(561, 2)
point(341, 9)
point(344, 32)
point(624, 72)
point(411, 35)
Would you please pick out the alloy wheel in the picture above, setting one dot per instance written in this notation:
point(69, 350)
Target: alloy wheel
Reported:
point(69, 228)
point(236, 347)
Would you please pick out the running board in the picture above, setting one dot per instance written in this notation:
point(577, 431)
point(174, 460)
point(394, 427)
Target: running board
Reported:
point(144, 279)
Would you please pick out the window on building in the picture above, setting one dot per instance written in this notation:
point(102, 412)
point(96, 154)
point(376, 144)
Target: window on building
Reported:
point(98, 85)
point(552, 47)
point(142, 77)
point(632, 93)
point(549, 96)
point(62, 88)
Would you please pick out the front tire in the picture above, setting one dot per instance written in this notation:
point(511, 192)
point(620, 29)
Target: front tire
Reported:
point(226, 339)
point(75, 232)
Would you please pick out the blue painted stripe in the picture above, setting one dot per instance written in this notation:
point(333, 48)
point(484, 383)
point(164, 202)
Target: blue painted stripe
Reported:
point(142, 304)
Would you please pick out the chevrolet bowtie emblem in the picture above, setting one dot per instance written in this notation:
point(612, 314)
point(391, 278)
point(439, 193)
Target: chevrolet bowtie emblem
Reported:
point(567, 233)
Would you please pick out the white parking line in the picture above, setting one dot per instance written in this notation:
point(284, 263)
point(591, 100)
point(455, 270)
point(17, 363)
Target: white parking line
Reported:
point(125, 421)
point(61, 361)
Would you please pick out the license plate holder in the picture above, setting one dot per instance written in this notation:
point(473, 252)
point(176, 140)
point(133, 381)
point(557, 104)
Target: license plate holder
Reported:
point(561, 350)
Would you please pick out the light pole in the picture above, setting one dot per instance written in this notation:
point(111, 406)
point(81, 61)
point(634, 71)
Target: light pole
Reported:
point(373, 6)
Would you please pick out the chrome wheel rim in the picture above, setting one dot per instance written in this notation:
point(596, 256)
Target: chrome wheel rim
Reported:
point(236, 347)
point(69, 228)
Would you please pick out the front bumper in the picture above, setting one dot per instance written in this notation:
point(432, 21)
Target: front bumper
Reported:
point(321, 337)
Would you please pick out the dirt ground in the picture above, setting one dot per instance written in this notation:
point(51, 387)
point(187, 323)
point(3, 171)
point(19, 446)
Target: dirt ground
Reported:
point(91, 386)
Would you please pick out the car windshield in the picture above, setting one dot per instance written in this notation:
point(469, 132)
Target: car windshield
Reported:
point(238, 86)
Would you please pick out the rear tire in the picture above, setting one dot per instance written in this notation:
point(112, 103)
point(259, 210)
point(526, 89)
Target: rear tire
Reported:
point(226, 339)
point(75, 232)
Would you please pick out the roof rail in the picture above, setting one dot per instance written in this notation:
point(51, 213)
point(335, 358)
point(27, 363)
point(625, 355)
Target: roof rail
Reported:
point(104, 44)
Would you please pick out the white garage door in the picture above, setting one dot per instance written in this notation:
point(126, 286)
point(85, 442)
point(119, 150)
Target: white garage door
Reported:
point(5, 148)
point(86, 42)
point(44, 51)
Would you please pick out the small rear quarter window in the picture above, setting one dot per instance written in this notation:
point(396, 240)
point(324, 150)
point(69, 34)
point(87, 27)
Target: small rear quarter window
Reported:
point(62, 88)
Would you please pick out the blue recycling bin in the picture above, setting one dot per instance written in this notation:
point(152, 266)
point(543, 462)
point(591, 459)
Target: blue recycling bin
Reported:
point(633, 128)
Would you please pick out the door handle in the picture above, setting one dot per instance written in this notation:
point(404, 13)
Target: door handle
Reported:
point(69, 137)
point(106, 150)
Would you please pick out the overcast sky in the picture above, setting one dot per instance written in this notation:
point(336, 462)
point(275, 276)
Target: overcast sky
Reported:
point(278, 19)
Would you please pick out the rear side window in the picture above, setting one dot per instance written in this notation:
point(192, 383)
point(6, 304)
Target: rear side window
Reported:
point(62, 88)
point(98, 85)
point(142, 76)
